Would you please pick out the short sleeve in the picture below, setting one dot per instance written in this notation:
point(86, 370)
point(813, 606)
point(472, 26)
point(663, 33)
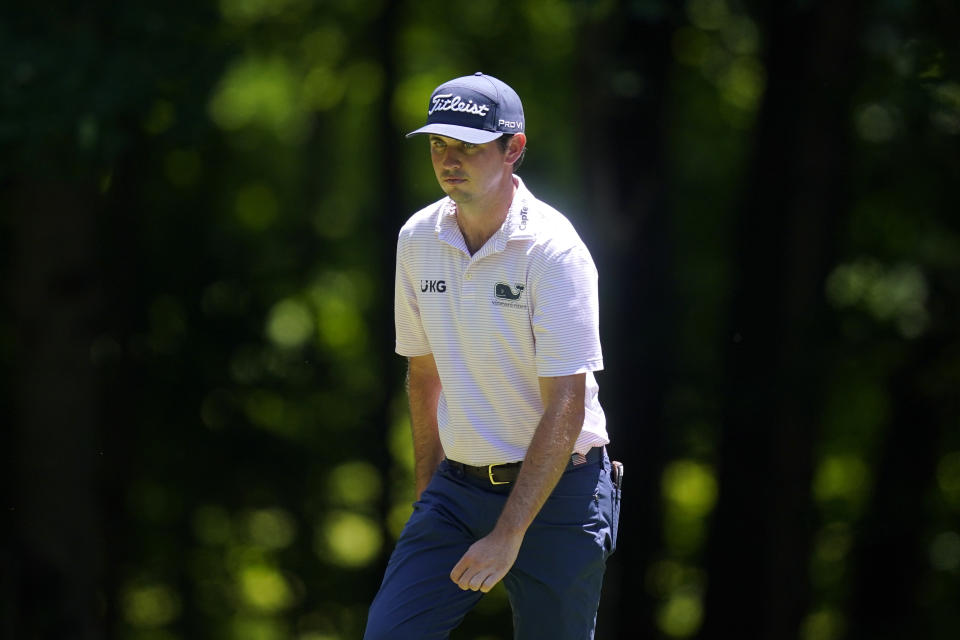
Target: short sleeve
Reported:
point(566, 315)
point(411, 340)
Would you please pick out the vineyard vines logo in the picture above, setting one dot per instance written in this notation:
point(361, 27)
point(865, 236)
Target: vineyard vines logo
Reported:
point(433, 286)
point(450, 102)
point(503, 290)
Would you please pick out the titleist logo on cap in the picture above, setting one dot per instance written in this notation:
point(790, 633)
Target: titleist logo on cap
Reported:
point(450, 102)
point(476, 109)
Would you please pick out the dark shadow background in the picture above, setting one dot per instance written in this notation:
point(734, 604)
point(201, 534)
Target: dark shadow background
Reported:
point(203, 424)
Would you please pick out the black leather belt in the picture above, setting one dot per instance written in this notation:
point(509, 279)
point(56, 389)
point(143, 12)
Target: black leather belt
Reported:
point(507, 472)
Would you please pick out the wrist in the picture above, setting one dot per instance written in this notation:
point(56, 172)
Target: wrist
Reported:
point(509, 531)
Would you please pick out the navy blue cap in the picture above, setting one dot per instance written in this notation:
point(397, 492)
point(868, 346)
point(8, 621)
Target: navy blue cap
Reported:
point(477, 109)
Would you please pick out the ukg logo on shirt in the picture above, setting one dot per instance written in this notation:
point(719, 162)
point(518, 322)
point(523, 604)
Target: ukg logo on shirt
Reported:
point(433, 286)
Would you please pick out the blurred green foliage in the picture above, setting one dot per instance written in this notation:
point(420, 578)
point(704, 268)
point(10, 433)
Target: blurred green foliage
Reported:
point(242, 174)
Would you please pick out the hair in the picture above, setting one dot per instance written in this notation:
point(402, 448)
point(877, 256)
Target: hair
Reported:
point(504, 142)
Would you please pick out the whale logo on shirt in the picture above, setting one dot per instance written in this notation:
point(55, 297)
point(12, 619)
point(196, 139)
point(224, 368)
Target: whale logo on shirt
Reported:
point(503, 290)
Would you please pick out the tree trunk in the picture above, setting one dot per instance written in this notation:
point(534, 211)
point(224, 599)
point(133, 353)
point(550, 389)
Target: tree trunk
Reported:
point(891, 560)
point(759, 546)
point(57, 295)
point(622, 73)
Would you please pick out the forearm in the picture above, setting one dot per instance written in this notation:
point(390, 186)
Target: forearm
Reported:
point(427, 451)
point(423, 392)
point(546, 459)
point(489, 559)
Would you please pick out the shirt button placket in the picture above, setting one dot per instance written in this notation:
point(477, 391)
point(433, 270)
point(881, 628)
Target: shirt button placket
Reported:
point(467, 282)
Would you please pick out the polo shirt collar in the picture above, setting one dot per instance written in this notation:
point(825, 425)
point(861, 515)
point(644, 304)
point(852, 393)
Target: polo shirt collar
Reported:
point(517, 225)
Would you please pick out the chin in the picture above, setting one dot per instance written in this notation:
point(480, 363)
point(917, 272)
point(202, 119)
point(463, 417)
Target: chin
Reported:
point(455, 194)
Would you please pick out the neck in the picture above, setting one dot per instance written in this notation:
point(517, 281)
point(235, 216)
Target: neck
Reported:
point(478, 221)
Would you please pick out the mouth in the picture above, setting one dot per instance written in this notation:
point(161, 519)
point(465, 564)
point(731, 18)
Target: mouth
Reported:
point(453, 179)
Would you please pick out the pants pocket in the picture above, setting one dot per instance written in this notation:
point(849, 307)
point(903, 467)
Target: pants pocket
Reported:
point(613, 515)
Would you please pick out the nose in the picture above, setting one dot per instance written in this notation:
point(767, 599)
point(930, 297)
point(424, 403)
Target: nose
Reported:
point(451, 158)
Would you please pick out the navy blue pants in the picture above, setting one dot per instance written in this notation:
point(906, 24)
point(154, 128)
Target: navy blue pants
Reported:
point(554, 585)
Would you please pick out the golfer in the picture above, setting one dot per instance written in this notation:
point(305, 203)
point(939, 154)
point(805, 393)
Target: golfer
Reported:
point(496, 311)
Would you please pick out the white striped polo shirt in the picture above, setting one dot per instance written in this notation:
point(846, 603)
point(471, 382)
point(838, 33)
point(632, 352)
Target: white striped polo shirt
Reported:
point(524, 306)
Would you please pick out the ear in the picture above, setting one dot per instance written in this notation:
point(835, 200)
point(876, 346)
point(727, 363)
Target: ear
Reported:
point(515, 148)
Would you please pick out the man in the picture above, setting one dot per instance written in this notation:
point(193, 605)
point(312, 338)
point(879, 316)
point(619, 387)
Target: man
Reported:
point(496, 310)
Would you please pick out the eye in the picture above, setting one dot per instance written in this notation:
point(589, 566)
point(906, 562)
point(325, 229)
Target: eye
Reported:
point(469, 146)
point(438, 144)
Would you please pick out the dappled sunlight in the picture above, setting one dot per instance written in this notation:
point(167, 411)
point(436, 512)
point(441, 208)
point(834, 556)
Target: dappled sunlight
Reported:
point(742, 82)
point(400, 444)
point(709, 15)
point(679, 588)
point(690, 492)
point(947, 115)
point(271, 528)
point(828, 562)
point(268, 409)
point(323, 88)
point(314, 635)
point(689, 489)
point(263, 92)
point(256, 206)
point(338, 298)
point(823, 624)
point(948, 479)
point(347, 539)
point(290, 323)
point(258, 627)
point(945, 551)
point(845, 478)
point(354, 484)
point(895, 294)
point(250, 11)
point(397, 518)
point(150, 605)
point(265, 589)
point(680, 616)
point(875, 123)
point(724, 46)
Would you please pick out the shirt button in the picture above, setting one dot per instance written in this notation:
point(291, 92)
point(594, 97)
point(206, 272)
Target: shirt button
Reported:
point(469, 276)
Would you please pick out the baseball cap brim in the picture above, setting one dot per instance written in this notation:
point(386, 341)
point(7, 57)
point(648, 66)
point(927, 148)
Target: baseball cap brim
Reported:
point(466, 134)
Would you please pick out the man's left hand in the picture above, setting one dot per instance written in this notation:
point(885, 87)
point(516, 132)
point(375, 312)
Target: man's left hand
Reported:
point(486, 562)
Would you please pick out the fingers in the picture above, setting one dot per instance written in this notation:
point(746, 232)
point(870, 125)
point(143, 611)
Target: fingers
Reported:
point(478, 581)
point(475, 578)
point(484, 564)
point(459, 570)
point(468, 577)
point(490, 582)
